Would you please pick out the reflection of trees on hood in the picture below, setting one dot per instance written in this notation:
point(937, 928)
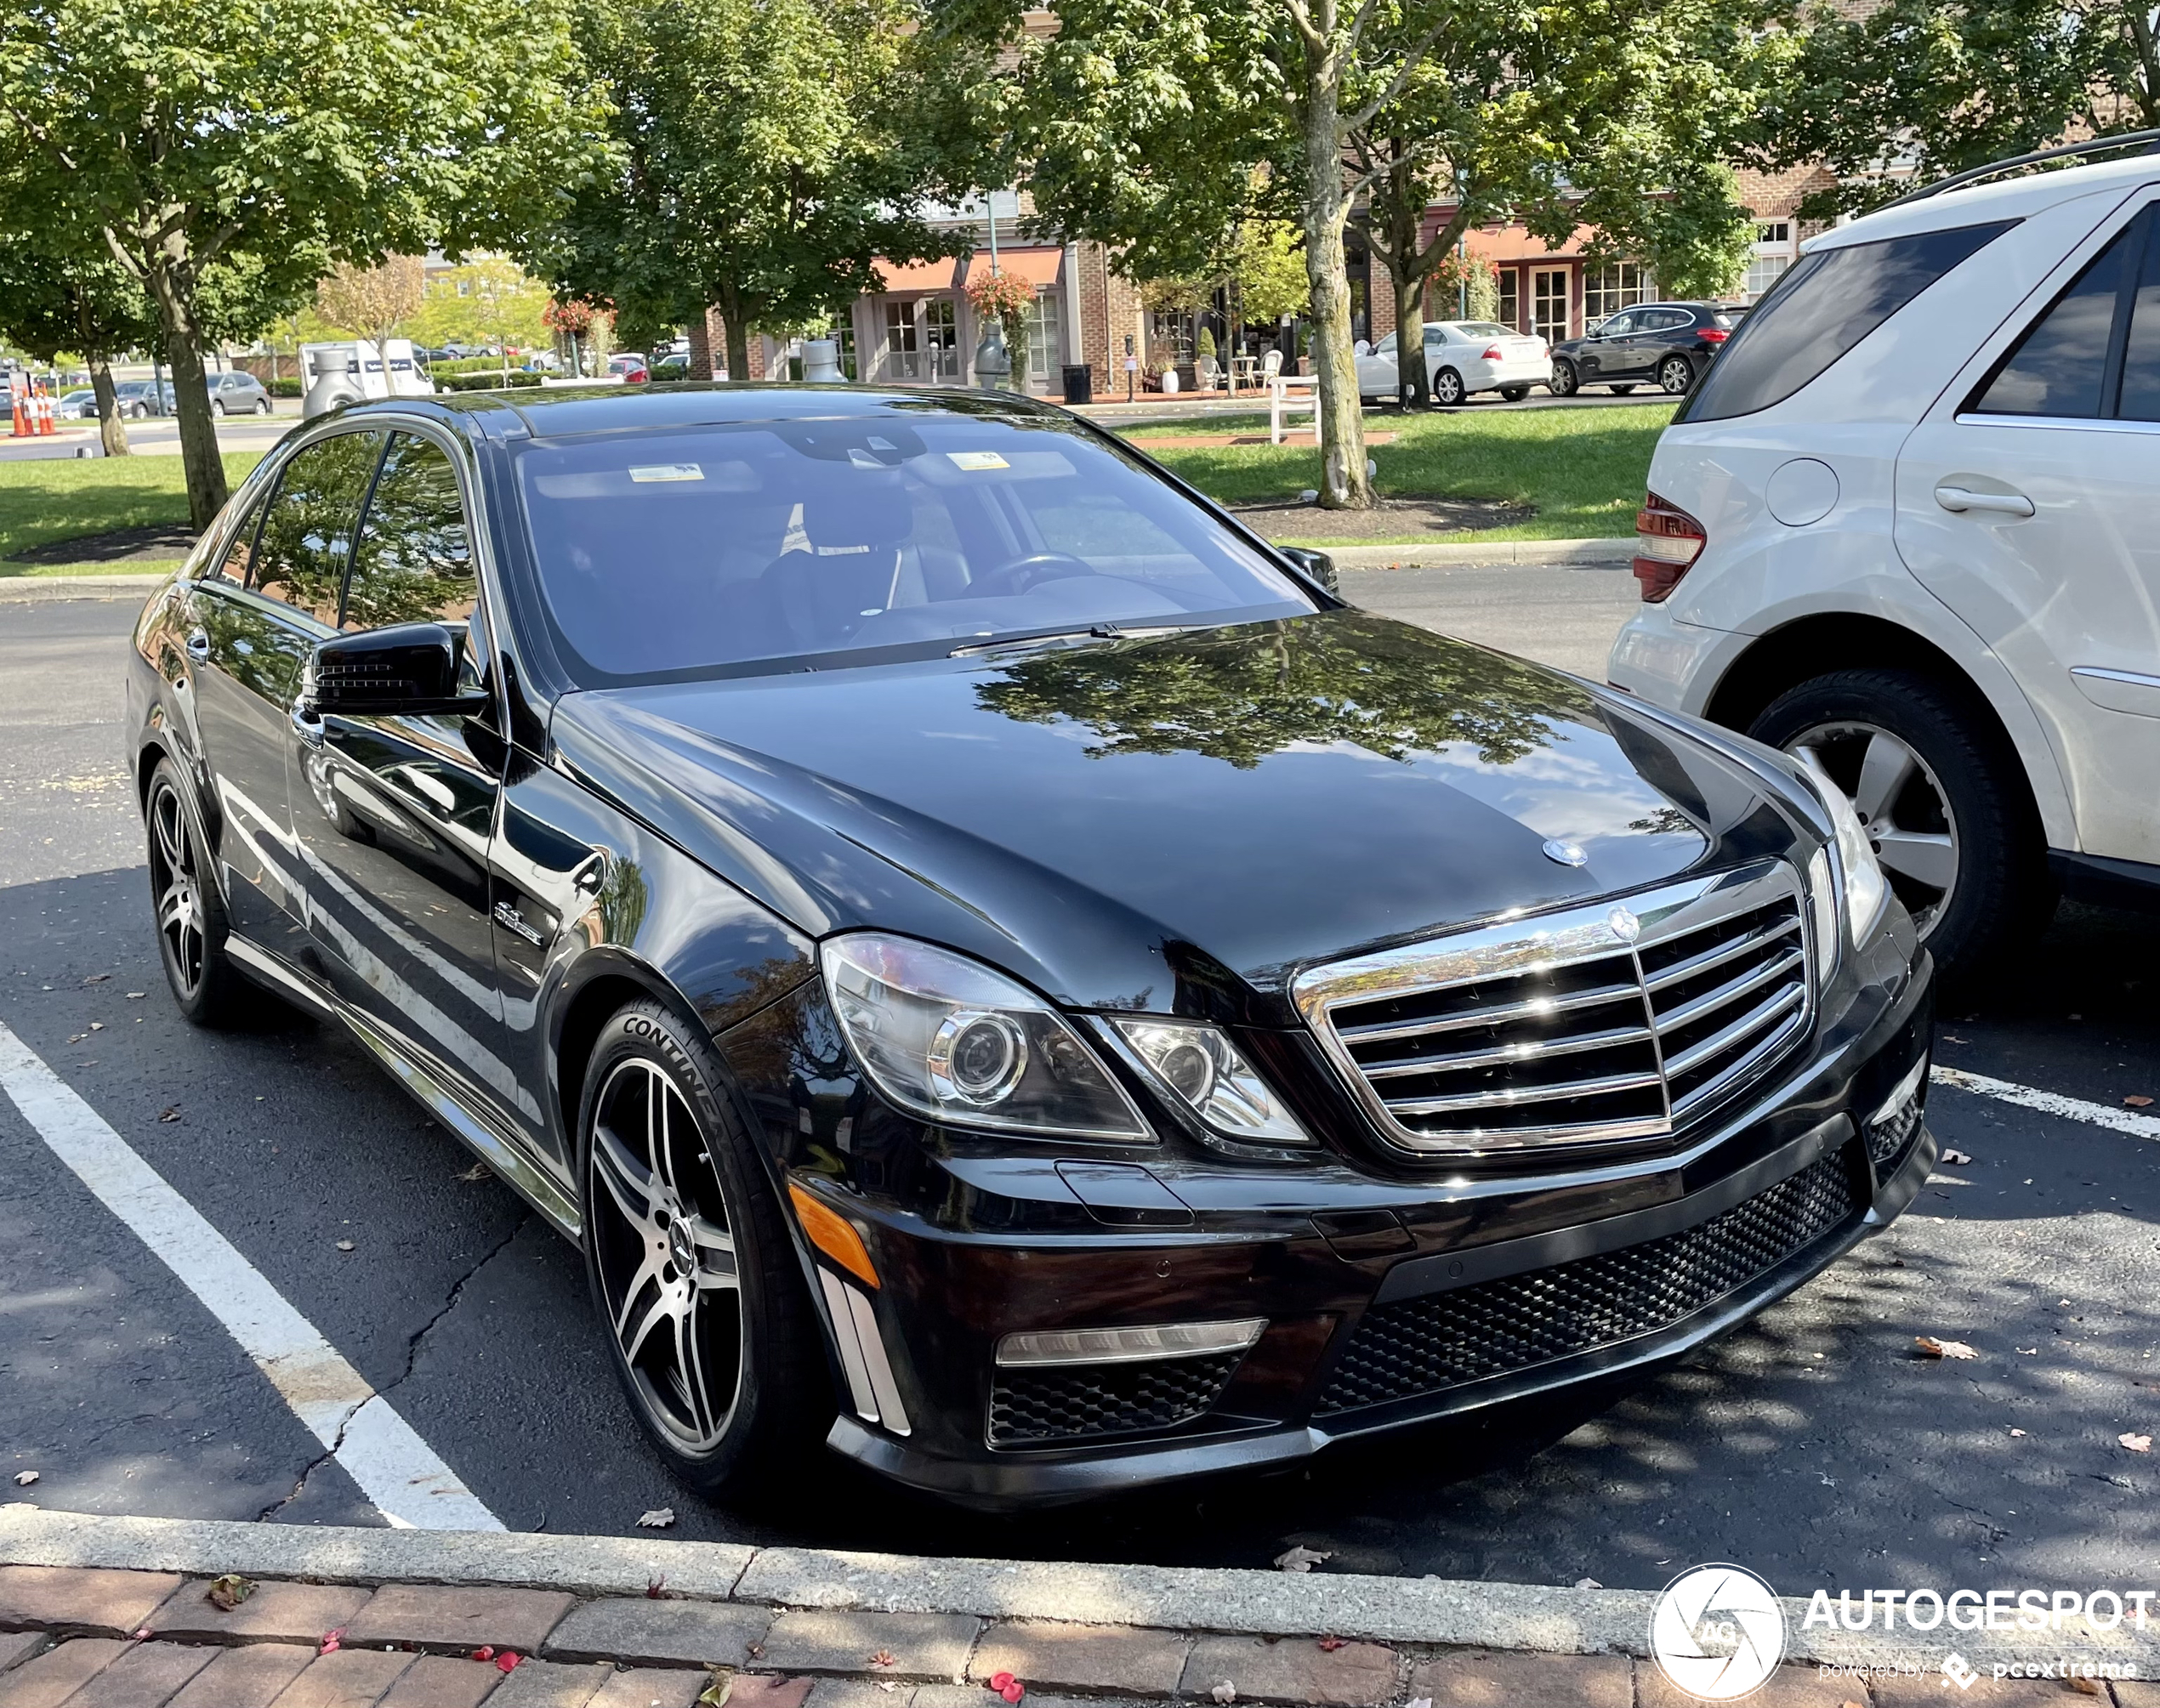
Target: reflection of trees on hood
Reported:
point(1240, 694)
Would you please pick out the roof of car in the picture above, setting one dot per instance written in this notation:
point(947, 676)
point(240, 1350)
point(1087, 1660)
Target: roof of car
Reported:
point(556, 412)
point(2005, 198)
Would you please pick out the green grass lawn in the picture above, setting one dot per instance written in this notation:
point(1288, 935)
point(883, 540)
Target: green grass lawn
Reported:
point(57, 498)
point(1581, 470)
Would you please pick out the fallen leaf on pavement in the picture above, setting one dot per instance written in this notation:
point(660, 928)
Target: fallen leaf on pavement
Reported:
point(2135, 1102)
point(508, 1660)
point(658, 1519)
point(24, 1478)
point(170, 1112)
point(137, 996)
point(227, 1593)
point(479, 1170)
point(485, 1652)
point(756, 1651)
point(2083, 1687)
point(715, 1694)
point(97, 977)
point(344, 1244)
point(1931, 1348)
point(2030, 1351)
point(1225, 1692)
point(2136, 1443)
point(1956, 1159)
point(1588, 1583)
point(883, 1657)
point(78, 1037)
point(141, 1636)
point(97, 1025)
point(2016, 1433)
point(655, 1589)
point(330, 1641)
point(1330, 1644)
point(1298, 1559)
point(1005, 1685)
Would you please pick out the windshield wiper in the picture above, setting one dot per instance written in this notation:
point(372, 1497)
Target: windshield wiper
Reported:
point(1102, 630)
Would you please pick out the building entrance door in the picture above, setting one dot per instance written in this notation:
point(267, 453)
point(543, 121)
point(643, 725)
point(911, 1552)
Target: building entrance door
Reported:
point(1548, 304)
point(921, 341)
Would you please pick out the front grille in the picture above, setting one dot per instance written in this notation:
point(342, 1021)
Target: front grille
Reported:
point(1423, 1346)
point(1612, 1021)
point(1064, 1403)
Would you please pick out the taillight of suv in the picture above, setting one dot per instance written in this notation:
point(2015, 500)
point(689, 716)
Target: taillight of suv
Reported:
point(1667, 542)
point(1712, 335)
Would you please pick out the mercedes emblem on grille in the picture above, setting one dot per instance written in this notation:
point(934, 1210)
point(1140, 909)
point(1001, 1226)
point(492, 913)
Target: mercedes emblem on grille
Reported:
point(1624, 925)
point(1567, 854)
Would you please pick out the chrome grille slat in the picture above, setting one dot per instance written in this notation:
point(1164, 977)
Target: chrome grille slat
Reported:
point(1616, 1019)
point(1516, 1095)
point(1513, 1053)
point(1729, 992)
point(1377, 1034)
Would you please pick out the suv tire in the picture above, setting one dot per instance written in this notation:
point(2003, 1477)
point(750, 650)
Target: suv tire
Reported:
point(662, 1294)
point(1675, 376)
point(1999, 892)
point(1565, 381)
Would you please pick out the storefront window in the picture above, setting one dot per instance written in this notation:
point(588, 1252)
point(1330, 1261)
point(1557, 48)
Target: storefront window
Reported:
point(1045, 338)
point(903, 353)
point(942, 339)
point(1511, 313)
point(1607, 290)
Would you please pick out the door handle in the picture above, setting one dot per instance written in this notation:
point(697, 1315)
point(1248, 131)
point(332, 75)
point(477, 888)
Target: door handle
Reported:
point(1963, 498)
point(198, 646)
point(307, 723)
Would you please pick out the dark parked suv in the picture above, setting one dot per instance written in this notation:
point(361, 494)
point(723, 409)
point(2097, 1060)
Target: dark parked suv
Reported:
point(1665, 344)
point(998, 969)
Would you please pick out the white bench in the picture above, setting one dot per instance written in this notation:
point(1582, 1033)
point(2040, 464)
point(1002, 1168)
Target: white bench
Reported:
point(1288, 392)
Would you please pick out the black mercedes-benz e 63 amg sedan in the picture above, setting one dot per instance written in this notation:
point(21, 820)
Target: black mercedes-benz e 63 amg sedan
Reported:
point(997, 968)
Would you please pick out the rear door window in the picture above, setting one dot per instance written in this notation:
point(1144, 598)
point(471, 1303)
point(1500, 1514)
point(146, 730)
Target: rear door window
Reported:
point(1824, 305)
point(2060, 365)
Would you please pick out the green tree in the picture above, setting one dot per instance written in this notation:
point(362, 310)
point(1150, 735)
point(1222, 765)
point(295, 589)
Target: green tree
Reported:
point(1920, 89)
point(1618, 115)
point(175, 133)
point(489, 300)
point(762, 164)
point(89, 305)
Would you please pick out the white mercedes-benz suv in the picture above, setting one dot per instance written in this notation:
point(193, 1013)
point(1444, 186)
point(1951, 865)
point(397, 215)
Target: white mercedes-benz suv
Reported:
point(1908, 528)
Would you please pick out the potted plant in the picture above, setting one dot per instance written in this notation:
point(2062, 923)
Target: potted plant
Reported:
point(1006, 298)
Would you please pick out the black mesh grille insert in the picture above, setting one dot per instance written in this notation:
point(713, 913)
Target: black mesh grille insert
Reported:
point(1422, 1346)
point(1074, 1402)
point(1890, 1136)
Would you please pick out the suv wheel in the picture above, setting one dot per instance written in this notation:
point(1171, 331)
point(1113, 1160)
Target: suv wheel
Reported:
point(1675, 374)
point(1941, 805)
point(192, 924)
point(690, 1261)
point(1565, 379)
point(262, 405)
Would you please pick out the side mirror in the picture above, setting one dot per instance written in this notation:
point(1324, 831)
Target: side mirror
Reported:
point(410, 669)
point(1362, 348)
point(1318, 565)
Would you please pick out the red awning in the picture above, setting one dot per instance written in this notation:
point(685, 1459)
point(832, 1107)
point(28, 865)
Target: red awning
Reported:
point(1038, 265)
point(941, 275)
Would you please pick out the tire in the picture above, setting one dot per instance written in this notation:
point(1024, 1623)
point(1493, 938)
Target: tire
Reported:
point(1514, 394)
point(1623, 390)
point(1448, 389)
point(1675, 376)
point(191, 921)
point(137, 411)
point(1565, 382)
point(217, 408)
point(262, 405)
point(778, 1393)
point(1959, 809)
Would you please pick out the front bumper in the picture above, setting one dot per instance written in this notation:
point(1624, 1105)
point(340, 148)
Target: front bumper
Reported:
point(1388, 1303)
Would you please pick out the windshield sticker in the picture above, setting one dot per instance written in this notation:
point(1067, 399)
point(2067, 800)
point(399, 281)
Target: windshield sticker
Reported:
point(977, 459)
point(668, 471)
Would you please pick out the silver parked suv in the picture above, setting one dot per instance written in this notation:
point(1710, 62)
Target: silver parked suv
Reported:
point(1907, 529)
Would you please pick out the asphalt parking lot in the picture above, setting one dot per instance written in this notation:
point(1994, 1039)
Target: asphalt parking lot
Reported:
point(1813, 1446)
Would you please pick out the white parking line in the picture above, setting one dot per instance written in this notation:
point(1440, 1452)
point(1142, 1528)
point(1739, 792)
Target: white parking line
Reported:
point(2049, 1102)
point(396, 1469)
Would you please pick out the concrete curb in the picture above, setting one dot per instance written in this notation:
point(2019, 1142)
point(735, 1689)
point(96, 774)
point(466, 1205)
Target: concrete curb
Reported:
point(24, 589)
point(1427, 1612)
point(1442, 553)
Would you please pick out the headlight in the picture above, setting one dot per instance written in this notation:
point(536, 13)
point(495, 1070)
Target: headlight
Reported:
point(948, 1038)
point(1863, 890)
point(1207, 1072)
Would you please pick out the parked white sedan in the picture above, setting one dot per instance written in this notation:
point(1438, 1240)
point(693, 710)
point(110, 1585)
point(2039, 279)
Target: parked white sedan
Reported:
point(1461, 357)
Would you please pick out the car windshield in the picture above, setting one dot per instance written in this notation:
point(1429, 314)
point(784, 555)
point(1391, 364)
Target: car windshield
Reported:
point(735, 549)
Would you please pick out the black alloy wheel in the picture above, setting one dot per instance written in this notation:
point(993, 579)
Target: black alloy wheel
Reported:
point(708, 1314)
point(1940, 799)
point(1565, 381)
point(192, 924)
point(1447, 388)
point(1675, 374)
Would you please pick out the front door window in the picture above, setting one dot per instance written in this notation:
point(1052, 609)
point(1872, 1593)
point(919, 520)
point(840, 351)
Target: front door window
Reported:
point(1548, 304)
point(922, 341)
point(941, 340)
point(903, 350)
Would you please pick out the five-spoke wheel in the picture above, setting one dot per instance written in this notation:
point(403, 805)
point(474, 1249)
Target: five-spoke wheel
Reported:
point(189, 913)
point(1900, 800)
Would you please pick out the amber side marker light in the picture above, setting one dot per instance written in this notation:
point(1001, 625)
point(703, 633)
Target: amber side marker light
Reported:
point(1667, 542)
point(834, 1234)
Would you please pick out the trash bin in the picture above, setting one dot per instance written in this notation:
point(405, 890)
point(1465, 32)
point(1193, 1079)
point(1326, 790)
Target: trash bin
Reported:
point(1079, 382)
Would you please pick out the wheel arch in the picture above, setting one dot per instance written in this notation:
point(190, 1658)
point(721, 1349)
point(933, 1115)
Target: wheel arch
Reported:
point(603, 982)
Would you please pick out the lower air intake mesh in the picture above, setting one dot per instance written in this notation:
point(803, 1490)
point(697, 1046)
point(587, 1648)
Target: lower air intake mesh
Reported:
point(1075, 1402)
point(1422, 1346)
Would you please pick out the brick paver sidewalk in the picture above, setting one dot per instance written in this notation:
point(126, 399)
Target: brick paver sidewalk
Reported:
point(83, 1637)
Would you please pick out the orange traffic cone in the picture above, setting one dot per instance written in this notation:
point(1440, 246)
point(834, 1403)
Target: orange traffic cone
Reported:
point(18, 394)
point(46, 426)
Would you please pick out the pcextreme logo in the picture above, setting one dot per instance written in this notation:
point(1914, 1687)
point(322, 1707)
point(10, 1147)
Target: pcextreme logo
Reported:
point(1717, 1632)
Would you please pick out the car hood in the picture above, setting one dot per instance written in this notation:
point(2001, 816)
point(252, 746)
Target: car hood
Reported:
point(1175, 822)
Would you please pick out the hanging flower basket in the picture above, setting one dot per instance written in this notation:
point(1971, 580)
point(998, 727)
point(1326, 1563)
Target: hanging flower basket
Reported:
point(1001, 295)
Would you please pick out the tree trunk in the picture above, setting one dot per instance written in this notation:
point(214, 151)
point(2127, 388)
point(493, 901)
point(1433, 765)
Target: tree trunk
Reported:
point(1414, 378)
point(1321, 209)
point(112, 431)
point(200, 462)
point(736, 333)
